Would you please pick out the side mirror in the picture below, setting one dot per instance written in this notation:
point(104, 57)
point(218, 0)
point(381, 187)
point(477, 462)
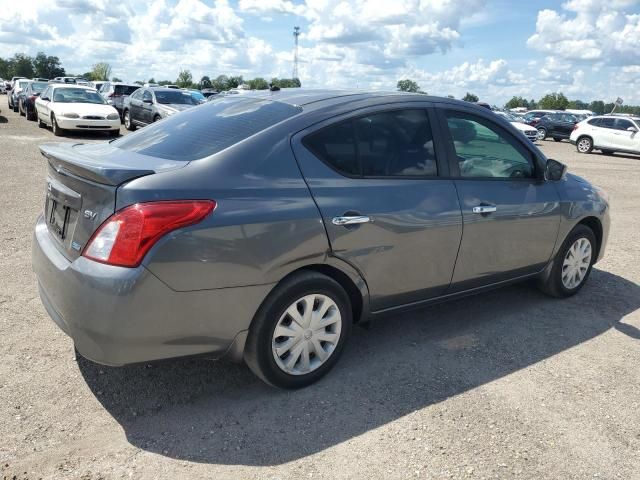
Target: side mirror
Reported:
point(46, 99)
point(554, 170)
point(147, 100)
point(632, 129)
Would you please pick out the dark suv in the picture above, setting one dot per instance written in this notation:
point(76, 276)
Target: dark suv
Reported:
point(557, 125)
point(115, 93)
point(150, 104)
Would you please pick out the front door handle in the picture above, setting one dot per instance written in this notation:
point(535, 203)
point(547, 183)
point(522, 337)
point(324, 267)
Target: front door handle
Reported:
point(351, 220)
point(485, 209)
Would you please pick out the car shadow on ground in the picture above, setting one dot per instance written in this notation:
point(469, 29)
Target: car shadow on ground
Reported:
point(216, 412)
point(3, 119)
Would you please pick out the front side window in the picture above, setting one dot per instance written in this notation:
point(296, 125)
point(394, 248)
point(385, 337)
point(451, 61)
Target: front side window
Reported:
point(485, 151)
point(569, 118)
point(398, 143)
point(622, 124)
point(175, 97)
point(608, 122)
point(146, 96)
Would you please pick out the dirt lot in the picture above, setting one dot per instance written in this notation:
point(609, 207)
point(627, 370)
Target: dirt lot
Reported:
point(510, 384)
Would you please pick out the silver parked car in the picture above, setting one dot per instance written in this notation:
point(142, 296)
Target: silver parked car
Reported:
point(262, 226)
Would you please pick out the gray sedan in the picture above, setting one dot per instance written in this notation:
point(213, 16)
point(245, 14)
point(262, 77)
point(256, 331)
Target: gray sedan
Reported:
point(262, 226)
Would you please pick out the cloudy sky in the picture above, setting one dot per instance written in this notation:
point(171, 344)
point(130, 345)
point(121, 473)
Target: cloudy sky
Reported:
point(588, 49)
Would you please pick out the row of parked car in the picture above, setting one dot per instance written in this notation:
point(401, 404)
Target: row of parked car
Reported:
point(68, 103)
point(607, 133)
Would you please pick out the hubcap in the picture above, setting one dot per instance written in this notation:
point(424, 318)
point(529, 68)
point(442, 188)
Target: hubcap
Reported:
point(576, 263)
point(541, 134)
point(583, 145)
point(126, 119)
point(306, 334)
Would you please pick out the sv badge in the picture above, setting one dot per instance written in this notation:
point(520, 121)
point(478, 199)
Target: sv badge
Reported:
point(89, 214)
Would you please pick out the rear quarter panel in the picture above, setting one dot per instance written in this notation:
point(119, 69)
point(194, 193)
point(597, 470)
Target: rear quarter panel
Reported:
point(265, 224)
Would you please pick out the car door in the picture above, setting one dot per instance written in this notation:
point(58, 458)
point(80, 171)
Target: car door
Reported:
point(147, 107)
point(43, 104)
point(606, 133)
point(135, 107)
point(380, 184)
point(625, 139)
point(511, 215)
point(566, 124)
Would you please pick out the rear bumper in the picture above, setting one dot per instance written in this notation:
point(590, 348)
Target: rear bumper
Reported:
point(84, 124)
point(118, 316)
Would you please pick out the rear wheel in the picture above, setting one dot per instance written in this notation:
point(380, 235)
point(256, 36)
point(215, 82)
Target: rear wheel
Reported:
point(156, 118)
point(21, 109)
point(127, 121)
point(556, 139)
point(57, 131)
point(15, 107)
point(542, 133)
point(299, 332)
point(31, 114)
point(573, 263)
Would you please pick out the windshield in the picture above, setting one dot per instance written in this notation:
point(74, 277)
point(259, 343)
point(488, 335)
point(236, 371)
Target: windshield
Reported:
point(38, 87)
point(77, 95)
point(198, 97)
point(177, 96)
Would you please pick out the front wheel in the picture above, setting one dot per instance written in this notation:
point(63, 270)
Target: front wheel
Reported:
point(21, 109)
point(57, 131)
point(157, 118)
point(299, 332)
point(573, 263)
point(584, 145)
point(41, 124)
point(556, 139)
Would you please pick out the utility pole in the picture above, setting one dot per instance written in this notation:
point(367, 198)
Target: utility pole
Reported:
point(296, 34)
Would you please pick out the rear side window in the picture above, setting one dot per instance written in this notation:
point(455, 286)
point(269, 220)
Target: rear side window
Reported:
point(595, 122)
point(125, 89)
point(398, 143)
point(608, 122)
point(205, 130)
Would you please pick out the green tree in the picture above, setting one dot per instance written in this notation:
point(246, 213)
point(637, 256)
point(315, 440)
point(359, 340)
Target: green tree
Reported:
point(235, 82)
point(85, 75)
point(5, 68)
point(101, 71)
point(205, 82)
point(47, 66)
point(516, 102)
point(116, 79)
point(163, 83)
point(470, 97)
point(407, 85)
point(258, 83)
point(221, 83)
point(597, 106)
point(184, 79)
point(553, 101)
point(152, 80)
point(21, 66)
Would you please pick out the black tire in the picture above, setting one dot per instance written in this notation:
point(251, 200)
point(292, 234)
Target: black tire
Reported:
point(128, 124)
point(31, 115)
point(542, 133)
point(57, 131)
point(41, 124)
point(156, 118)
point(21, 109)
point(258, 350)
point(554, 285)
point(15, 108)
point(556, 139)
point(584, 145)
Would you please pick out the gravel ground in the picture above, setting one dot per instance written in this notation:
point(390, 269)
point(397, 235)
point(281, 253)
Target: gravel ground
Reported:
point(510, 384)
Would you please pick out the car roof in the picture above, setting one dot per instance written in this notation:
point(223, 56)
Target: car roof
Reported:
point(71, 85)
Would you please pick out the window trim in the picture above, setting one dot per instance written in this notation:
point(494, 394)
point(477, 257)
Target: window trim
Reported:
point(352, 116)
point(513, 140)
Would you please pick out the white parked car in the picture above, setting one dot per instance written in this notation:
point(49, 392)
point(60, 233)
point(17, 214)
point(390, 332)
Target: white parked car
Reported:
point(75, 107)
point(527, 130)
point(608, 134)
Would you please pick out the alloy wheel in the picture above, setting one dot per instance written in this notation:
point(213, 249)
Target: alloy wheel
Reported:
point(576, 263)
point(584, 145)
point(127, 120)
point(542, 134)
point(307, 334)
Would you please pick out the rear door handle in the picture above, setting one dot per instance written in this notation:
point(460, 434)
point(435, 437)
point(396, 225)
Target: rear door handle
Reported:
point(485, 209)
point(351, 220)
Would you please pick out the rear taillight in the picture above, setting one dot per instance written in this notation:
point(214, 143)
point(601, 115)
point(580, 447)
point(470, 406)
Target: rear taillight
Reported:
point(125, 237)
point(33, 98)
point(575, 127)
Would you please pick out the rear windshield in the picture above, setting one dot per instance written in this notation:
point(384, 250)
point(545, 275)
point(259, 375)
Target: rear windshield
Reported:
point(38, 87)
point(125, 89)
point(203, 131)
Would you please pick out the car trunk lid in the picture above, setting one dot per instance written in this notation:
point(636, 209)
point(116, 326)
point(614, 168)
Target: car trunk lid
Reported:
point(82, 182)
